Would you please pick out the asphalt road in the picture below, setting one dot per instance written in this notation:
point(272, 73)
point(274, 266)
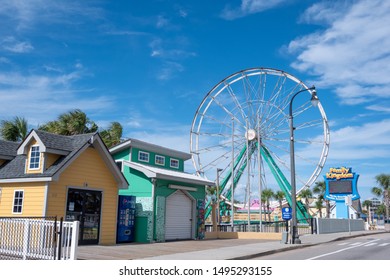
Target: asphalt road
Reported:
point(375, 247)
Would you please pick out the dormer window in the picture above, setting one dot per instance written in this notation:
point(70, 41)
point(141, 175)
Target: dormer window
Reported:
point(143, 156)
point(174, 163)
point(35, 157)
point(160, 160)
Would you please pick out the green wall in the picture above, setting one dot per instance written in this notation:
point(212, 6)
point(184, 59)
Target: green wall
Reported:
point(124, 154)
point(152, 156)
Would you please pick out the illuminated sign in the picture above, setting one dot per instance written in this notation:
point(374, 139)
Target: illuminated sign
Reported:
point(341, 182)
point(339, 173)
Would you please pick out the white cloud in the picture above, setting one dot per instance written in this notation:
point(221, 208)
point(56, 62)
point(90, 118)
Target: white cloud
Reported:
point(4, 60)
point(352, 54)
point(379, 108)
point(25, 14)
point(169, 70)
point(183, 13)
point(249, 7)
point(11, 44)
point(357, 143)
point(52, 94)
point(162, 22)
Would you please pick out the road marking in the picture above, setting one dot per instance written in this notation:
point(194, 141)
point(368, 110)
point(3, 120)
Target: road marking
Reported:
point(384, 244)
point(371, 244)
point(356, 243)
point(341, 250)
point(342, 244)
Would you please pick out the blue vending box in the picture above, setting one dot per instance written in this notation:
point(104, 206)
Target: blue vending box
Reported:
point(126, 219)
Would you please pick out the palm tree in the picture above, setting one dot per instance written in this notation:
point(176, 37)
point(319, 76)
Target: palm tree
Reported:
point(383, 189)
point(267, 194)
point(380, 210)
point(263, 208)
point(14, 130)
point(306, 194)
point(319, 189)
point(71, 123)
point(367, 204)
point(318, 205)
point(279, 196)
point(112, 136)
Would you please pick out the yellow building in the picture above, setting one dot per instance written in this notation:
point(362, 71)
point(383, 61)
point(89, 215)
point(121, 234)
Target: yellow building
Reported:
point(73, 177)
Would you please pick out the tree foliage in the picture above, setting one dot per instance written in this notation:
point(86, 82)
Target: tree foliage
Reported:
point(306, 194)
point(112, 136)
point(14, 130)
point(319, 189)
point(266, 195)
point(71, 123)
point(279, 196)
point(383, 189)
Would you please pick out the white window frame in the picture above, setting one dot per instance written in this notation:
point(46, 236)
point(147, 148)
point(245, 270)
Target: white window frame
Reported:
point(160, 157)
point(174, 160)
point(20, 202)
point(145, 153)
point(31, 157)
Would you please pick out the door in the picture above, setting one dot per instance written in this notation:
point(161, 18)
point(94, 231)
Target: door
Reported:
point(178, 217)
point(85, 206)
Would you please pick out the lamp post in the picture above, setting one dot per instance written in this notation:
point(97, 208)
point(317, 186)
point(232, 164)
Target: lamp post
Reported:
point(218, 211)
point(314, 99)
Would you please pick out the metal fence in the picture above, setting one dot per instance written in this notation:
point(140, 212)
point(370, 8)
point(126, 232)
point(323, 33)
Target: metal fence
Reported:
point(38, 238)
point(308, 226)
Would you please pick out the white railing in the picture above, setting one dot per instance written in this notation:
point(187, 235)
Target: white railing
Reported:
point(69, 240)
point(32, 238)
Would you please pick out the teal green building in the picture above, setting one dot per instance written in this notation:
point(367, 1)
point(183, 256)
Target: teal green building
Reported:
point(169, 202)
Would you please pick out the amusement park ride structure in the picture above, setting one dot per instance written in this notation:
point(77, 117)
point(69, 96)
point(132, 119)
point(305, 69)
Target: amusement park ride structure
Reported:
point(242, 126)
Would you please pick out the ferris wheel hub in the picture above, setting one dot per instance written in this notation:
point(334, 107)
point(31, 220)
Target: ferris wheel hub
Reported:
point(250, 134)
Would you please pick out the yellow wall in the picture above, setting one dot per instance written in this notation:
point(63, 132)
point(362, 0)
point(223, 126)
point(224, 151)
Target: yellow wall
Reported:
point(34, 194)
point(50, 159)
point(88, 169)
point(2, 161)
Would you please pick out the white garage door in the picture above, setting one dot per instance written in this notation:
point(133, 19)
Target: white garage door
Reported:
point(178, 217)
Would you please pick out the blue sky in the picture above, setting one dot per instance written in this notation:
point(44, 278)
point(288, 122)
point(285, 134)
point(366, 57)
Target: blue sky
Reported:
point(148, 64)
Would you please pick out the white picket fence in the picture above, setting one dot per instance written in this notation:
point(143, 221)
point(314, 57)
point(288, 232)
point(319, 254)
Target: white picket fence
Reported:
point(39, 239)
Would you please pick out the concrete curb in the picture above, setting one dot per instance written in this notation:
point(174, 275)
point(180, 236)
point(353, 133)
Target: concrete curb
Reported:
point(294, 247)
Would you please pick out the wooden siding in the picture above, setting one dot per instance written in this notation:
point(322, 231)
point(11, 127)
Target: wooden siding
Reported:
point(33, 199)
point(50, 159)
point(88, 171)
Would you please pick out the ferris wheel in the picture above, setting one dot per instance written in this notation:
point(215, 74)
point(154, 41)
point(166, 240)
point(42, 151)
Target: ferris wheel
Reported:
point(241, 128)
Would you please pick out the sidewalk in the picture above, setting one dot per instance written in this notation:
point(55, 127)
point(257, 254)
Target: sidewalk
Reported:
point(218, 249)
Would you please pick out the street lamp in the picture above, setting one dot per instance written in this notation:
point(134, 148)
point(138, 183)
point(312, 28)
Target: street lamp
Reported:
point(314, 100)
point(218, 211)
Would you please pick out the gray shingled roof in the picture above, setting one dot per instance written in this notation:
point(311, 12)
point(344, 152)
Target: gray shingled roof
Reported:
point(62, 142)
point(16, 167)
point(8, 148)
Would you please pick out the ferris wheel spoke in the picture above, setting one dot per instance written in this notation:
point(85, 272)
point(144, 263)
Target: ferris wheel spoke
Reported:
point(234, 97)
point(276, 157)
point(231, 114)
point(276, 127)
point(302, 109)
point(309, 124)
point(278, 89)
point(216, 121)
